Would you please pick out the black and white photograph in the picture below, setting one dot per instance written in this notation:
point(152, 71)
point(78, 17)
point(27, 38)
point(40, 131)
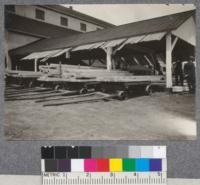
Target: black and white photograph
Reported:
point(100, 72)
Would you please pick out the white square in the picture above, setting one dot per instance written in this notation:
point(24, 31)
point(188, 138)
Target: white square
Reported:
point(159, 152)
point(77, 165)
point(164, 165)
point(42, 165)
point(134, 152)
point(146, 151)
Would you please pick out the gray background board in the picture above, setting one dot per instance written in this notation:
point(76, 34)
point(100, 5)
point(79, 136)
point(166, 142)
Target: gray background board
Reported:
point(23, 157)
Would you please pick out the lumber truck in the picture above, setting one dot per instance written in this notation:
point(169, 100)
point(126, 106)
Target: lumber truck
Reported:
point(84, 78)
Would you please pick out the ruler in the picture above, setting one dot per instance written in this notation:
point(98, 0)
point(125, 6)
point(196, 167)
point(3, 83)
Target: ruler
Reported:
point(102, 178)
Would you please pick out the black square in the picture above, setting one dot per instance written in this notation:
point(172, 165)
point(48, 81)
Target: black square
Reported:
point(47, 152)
point(60, 152)
point(72, 152)
point(85, 152)
point(50, 165)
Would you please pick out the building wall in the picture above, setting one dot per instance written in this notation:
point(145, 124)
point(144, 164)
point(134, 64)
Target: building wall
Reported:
point(15, 40)
point(53, 17)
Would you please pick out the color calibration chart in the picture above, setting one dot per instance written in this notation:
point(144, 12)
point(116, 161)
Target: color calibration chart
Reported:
point(96, 165)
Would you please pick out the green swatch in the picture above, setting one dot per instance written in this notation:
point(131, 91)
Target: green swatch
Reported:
point(128, 164)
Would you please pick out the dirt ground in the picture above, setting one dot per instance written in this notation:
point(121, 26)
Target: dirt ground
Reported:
point(157, 117)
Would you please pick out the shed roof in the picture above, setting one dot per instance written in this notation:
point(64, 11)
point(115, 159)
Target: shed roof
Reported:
point(155, 25)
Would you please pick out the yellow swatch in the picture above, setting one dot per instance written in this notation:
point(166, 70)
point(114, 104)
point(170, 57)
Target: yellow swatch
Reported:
point(115, 165)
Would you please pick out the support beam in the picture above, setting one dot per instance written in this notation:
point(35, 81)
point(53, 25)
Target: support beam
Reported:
point(109, 51)
point(8, 62)
point(35, 64)
point(174, 43)
point(60, 69)
point(168, 61)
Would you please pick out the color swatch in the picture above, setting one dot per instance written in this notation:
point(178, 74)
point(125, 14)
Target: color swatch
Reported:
point(103, 159)
point(103, 165)
point(82, 152)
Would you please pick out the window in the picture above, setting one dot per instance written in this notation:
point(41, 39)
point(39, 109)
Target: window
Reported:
point(64, 21)
point(10, 8)
point(83, 27)
point(39, 14)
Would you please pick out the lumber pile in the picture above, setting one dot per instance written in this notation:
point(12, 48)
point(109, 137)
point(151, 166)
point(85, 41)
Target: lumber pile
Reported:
point(75, 73)
point(55, 98)
point(81, 71)
point(23, 74)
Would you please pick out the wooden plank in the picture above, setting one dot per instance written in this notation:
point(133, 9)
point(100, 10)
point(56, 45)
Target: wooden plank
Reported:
point(35, 64)
point(113, 79)
point(64, 98)
point(31, 94)
point(81, 101)
point(44, 96)
point(25, 90)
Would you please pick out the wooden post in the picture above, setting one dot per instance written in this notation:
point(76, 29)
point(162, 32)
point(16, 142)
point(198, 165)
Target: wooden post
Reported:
point(60, 69)
point(109, 58)
point(174, 43)
point(168, 61)
point(8, 61)
point(35, 64)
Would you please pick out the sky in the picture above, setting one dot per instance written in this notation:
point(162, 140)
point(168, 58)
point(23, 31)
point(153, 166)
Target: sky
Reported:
point(126, 13)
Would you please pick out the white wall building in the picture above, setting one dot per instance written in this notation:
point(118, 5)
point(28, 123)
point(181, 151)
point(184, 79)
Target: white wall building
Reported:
point(25, 24)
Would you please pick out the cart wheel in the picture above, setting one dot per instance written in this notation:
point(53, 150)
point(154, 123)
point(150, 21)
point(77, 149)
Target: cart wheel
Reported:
point(149, 90)
point(122, 95)
point(57, 87)
point(42, 85)
point(30, 84)
point(83, 91)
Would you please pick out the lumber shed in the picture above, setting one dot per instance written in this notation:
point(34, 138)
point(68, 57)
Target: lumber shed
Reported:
point(148, 46)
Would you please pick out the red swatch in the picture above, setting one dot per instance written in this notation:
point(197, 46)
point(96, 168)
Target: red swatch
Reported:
point(103, 165)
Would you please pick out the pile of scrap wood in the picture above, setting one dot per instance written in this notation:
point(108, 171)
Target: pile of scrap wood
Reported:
point(77, 99)
point(36, 93)
point(47, 97)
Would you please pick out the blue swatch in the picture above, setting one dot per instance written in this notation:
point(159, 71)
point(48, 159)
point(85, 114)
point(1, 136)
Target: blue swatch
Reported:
point(155, 165)
point(142, 165)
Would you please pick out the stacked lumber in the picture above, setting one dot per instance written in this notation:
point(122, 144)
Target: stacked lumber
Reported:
point(81, 71)
point(75, 73)
point(24, 74)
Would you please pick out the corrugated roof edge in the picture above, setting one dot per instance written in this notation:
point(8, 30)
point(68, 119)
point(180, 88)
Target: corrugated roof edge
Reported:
point(173, 26)
point(190, 13)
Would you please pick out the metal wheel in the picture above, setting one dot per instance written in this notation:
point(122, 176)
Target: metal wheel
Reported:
point(57, 87)
point(122, 95)
point(83, 91)
point(42, 85)
point(149, 90)
point(30, 84)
